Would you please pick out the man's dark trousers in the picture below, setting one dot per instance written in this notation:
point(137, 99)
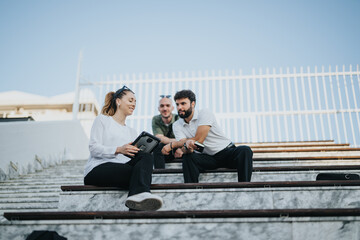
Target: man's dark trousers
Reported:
point(159, 158)
point(239, 158)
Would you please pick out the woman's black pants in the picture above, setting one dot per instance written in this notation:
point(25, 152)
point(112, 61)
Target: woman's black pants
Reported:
point(134, 175)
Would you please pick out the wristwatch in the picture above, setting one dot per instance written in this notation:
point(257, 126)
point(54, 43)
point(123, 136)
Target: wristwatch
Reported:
point(186, 148)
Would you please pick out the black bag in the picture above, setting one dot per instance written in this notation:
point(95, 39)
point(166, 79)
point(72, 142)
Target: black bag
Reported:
point(337, 176)
point(45, 235)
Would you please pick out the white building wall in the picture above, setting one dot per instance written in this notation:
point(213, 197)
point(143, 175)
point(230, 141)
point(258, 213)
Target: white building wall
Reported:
point(29, 146)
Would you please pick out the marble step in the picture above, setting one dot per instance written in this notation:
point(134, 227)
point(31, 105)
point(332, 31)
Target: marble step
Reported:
point(195, 225)
point(30, 194)
point(300, 162)
point(29, 199)
point(301, 156)
point(39, 179)
point(304, 155)
point(32, 187)
point(221, 196)
point(256, 177)
point(293, 162)
point(287, 143)
point(42, 182)
point(311, 148)
point(305, 150)
point(38, 182)
point(30, 191)
point(295, 145)
point(220, 175)
point(48, 204)
point(43, 209)
point(54, 174)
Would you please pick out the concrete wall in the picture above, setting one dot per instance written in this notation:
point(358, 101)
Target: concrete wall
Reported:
point(29, 146)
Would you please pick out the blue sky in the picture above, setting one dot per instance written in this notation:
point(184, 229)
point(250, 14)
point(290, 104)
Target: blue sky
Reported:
point(40, 40)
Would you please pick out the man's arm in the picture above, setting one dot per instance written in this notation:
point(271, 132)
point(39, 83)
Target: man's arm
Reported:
point(206, 120)
point(174, 145)
point(165, 139)
point(201, 134)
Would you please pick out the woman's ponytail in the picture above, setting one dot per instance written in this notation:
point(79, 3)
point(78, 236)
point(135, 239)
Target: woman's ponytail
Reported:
point(109, 107)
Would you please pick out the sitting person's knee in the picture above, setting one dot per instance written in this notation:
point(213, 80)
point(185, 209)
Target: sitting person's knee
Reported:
point(248, 150)
point(143, 156)
point(186, 158)
point(244, 149)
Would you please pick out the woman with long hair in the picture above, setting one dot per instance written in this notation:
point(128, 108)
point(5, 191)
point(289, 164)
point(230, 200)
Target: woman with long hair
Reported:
point(110, 142)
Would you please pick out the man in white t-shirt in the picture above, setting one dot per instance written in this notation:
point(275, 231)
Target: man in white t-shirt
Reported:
point(201, 126)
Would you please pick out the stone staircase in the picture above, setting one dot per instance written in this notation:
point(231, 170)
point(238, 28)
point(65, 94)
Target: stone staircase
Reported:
point(283, 201)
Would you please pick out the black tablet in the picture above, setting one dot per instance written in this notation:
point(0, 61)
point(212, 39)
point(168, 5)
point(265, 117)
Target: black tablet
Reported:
point(146, 142)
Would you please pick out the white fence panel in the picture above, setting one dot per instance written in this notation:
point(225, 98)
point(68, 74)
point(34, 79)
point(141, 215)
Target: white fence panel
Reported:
point(262, 107)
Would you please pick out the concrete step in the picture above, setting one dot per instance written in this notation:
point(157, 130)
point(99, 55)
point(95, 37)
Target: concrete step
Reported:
point(197, 225)
point(225, 196)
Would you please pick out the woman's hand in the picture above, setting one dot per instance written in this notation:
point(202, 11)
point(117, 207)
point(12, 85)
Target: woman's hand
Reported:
point(127, 149)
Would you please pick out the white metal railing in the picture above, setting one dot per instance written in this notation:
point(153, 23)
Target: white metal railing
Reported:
point(265, 106)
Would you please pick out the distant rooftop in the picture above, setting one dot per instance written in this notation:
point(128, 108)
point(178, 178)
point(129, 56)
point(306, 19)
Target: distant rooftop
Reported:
point(23, 98)
point(19, 105)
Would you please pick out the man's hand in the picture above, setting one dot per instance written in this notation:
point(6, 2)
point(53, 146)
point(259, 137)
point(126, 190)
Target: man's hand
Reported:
point(166, 149)
point(178, 153)
point(190, 146)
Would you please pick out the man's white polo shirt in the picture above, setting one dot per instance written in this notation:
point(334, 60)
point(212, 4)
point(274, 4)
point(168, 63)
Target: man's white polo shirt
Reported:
point(215, 140)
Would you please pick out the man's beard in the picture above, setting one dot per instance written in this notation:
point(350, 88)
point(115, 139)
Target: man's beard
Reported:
point(186, 114)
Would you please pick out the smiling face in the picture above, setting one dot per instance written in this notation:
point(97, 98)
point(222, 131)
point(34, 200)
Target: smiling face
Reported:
point(165, 107)
point(127, 103)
